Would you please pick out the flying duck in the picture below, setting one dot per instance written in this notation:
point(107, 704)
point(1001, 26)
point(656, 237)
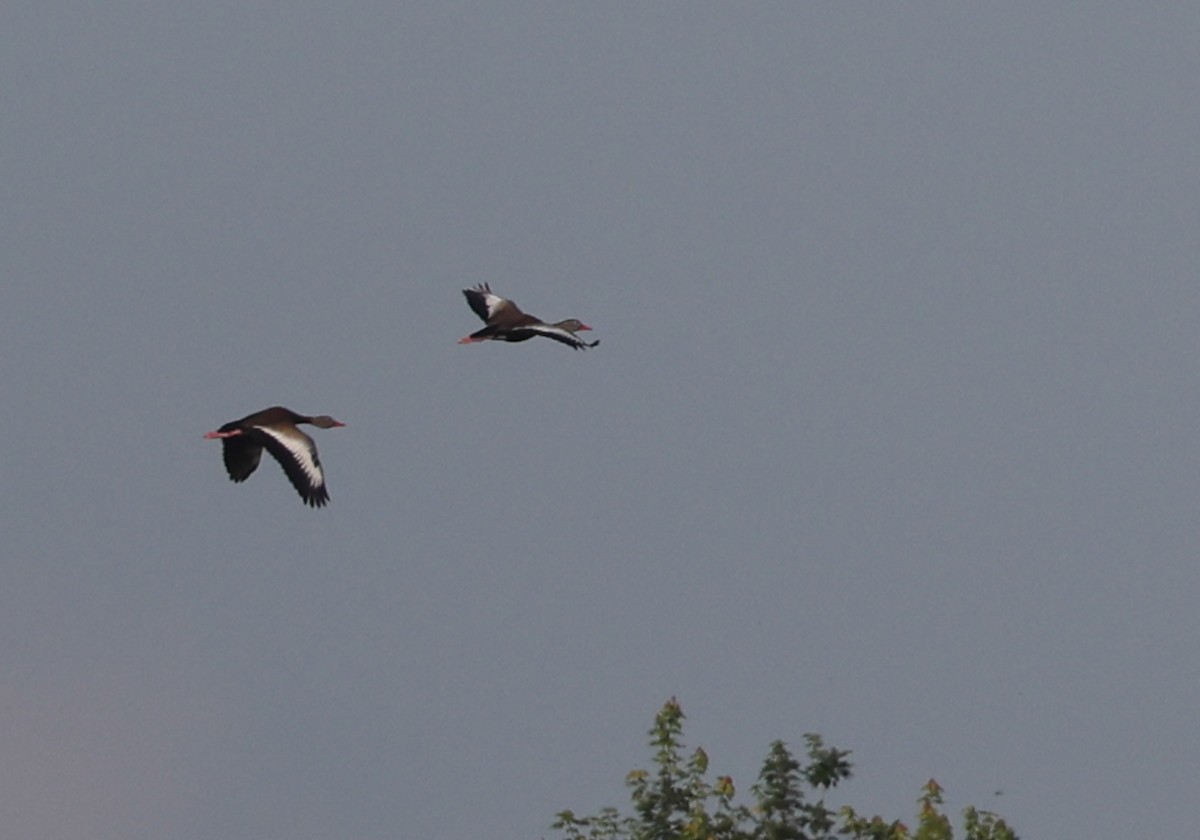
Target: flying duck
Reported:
point(275, 430)
point(506, 322)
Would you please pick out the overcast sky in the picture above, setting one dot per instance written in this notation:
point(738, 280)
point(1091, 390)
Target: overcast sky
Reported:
point(891, 435)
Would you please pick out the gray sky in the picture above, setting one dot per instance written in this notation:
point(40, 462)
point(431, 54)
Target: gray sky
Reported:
point(891, 435)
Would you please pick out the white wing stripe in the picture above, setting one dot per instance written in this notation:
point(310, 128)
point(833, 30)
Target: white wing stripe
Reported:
point(546, 329)
point(301, 451)
point(492, 302)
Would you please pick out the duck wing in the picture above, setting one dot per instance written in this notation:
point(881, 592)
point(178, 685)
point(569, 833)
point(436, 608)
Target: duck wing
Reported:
point(297, 454)
point(493, 309)
point(558, 334)
point(241, 454)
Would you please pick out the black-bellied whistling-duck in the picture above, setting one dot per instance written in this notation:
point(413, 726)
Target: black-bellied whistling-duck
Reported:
point(275, 430)
point(506, 322)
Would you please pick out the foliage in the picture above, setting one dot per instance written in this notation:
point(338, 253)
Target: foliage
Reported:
point(676, 801)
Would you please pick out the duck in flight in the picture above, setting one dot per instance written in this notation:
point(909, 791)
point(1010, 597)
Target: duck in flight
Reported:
point(275, 429)
point(506, 322)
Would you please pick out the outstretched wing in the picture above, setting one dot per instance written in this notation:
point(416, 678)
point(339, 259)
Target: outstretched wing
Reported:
point(492, 308)
point(297, 454)
point(558, 334)
point(241, 454)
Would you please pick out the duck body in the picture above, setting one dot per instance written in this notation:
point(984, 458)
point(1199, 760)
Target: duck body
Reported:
point(276, 430)
point(506, 322)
